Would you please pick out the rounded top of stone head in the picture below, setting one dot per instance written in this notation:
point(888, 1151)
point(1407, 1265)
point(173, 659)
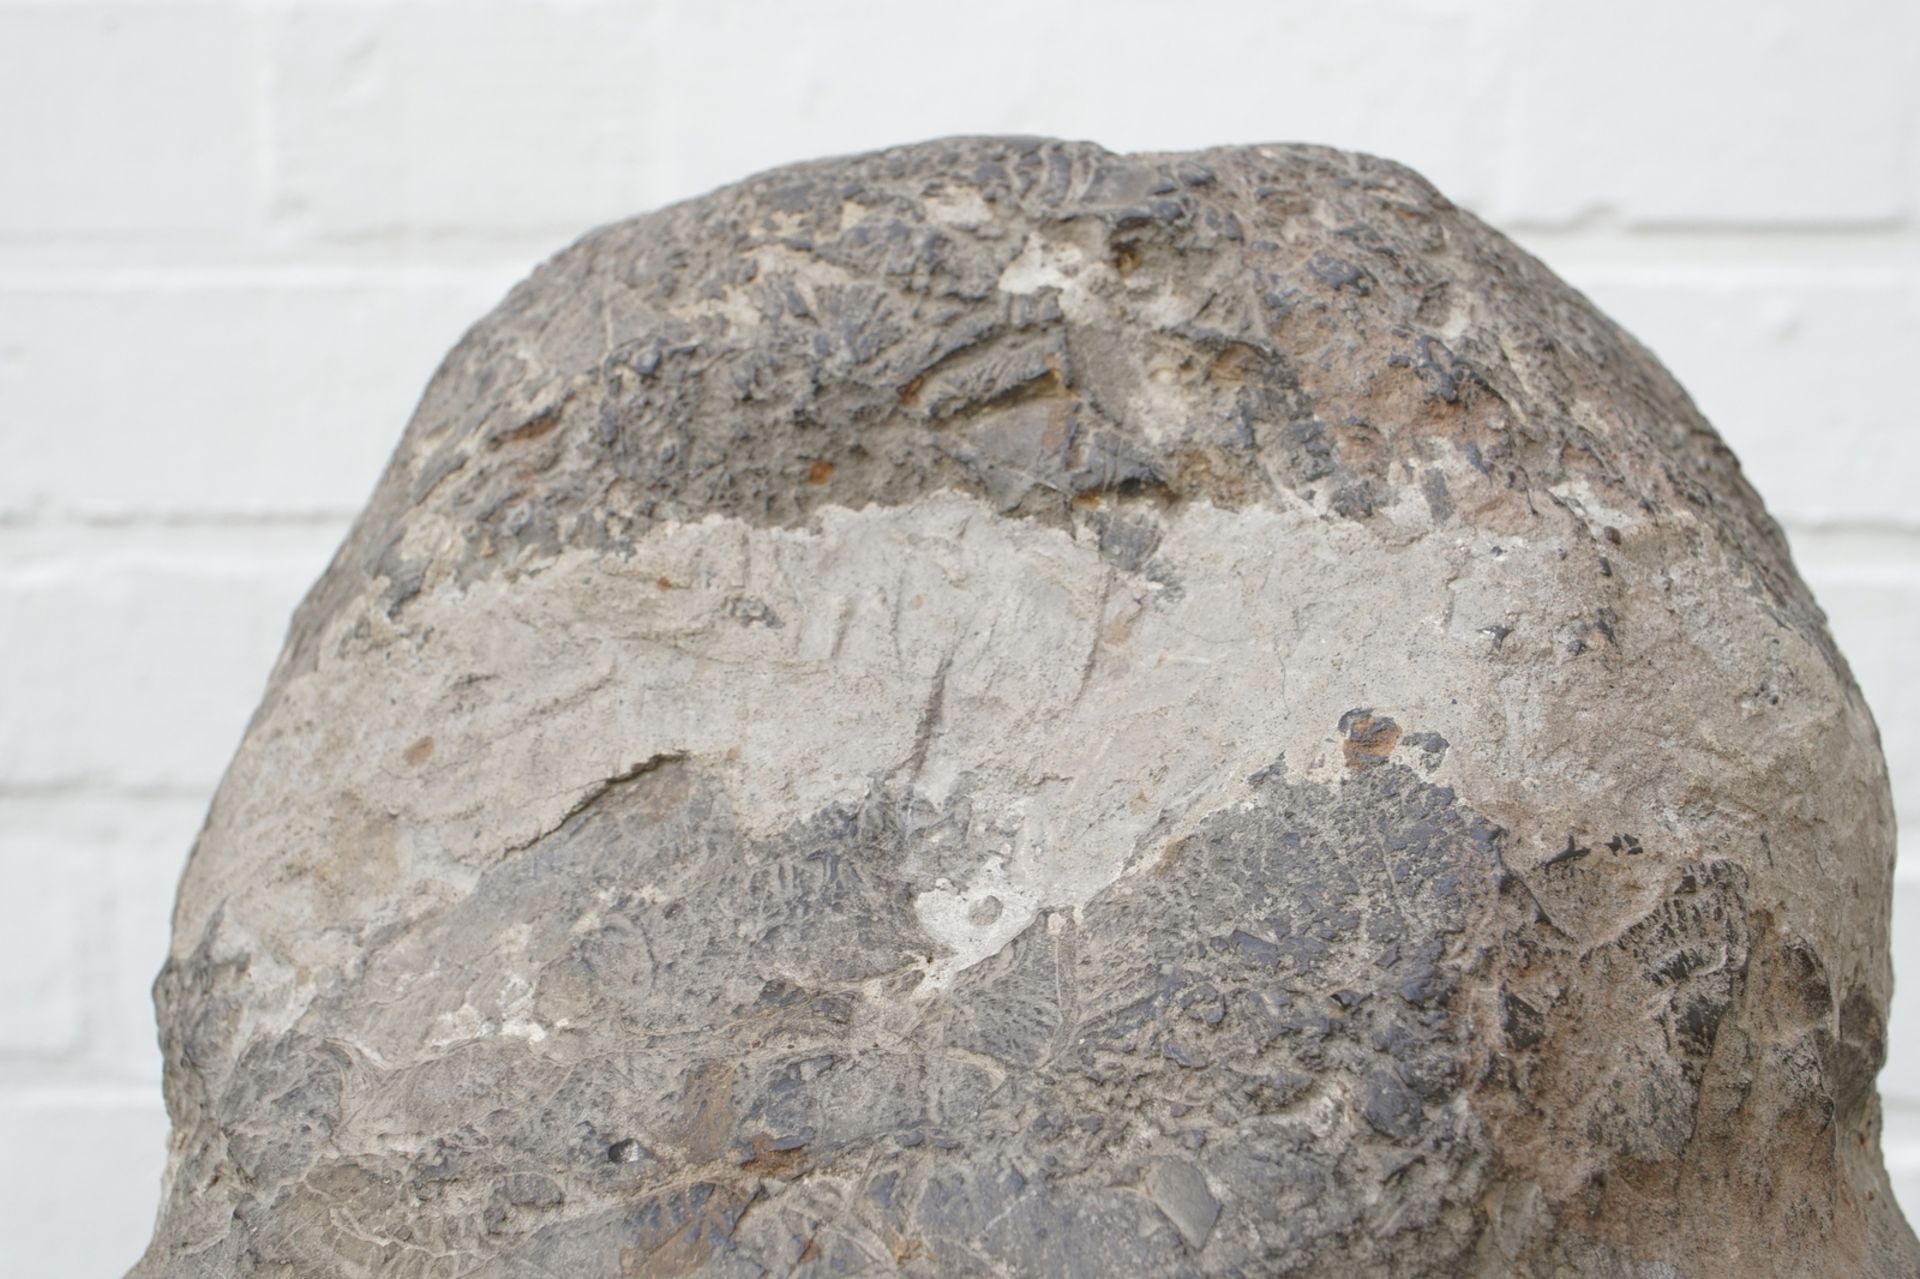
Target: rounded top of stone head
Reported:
point(1055, 328)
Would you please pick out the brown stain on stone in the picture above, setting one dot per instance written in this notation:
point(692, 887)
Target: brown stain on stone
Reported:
point(820, 472)
point(767, 1161)
point(1235, 363)
point(540, 424)
point(420, 752)
point(1172, 853)
point(706, 1111)
point(359, 844)
point(1370, 739)
point(1226, 481)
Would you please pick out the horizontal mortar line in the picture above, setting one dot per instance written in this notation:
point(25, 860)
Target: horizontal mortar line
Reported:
point(284, 570)
point(310, 276)
point(1853, 547)
point(315, 235)
point(105, 1096)
point(1717, 261)
point(285, 244)
point(277, 226)
point(1725, 275)
point(95, 788)
point(39, 538)
point(1885, 570)
point(293, 517)
point(1614, 223)
point(1849, 525)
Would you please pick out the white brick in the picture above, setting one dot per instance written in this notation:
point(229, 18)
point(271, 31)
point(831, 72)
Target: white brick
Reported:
point(128, 932)
point(132, 851)
point(1804, 375)
point(1900, 1142)
point(472, 118)
point(140, 667)
point(126, 122)
point(80, 1180)
point(84, 930)
point(1900, 1078)
point(40, 992)
point(1712, 112)
point(239, 396)
point(745, 93)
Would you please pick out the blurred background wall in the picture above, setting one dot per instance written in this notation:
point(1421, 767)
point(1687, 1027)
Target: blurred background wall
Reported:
point(236, 237)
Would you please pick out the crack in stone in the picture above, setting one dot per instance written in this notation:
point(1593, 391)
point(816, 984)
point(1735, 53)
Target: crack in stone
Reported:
point(595, 792)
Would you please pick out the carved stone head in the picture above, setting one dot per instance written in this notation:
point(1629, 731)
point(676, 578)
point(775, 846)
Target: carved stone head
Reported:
point(997, 708)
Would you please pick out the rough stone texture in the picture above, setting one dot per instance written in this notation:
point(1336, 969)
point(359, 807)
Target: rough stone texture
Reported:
point(995, 708)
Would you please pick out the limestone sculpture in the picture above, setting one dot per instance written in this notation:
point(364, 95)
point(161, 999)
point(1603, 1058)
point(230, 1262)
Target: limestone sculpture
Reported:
point(995, 708)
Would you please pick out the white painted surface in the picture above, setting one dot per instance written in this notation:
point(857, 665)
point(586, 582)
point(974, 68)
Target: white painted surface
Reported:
point(234, 238)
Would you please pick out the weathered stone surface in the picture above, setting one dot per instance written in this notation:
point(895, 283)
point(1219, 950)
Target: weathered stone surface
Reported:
point(995, 708)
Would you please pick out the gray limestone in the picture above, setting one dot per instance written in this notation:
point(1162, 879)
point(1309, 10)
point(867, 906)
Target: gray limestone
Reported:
point(995, 708)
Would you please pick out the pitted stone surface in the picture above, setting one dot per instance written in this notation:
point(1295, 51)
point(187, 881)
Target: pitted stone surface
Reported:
point(996, 708)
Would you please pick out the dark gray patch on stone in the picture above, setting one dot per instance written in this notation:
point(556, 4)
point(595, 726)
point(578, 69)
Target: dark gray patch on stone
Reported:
point(1433, 486)
point(1219, 1020)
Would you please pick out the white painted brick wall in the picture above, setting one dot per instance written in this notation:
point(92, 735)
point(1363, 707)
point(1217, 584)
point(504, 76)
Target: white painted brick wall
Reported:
point(130, 658)
point(417, 119)
point(1760, 112)
point(127, 123)
point(261, 392)
point(235, 236)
